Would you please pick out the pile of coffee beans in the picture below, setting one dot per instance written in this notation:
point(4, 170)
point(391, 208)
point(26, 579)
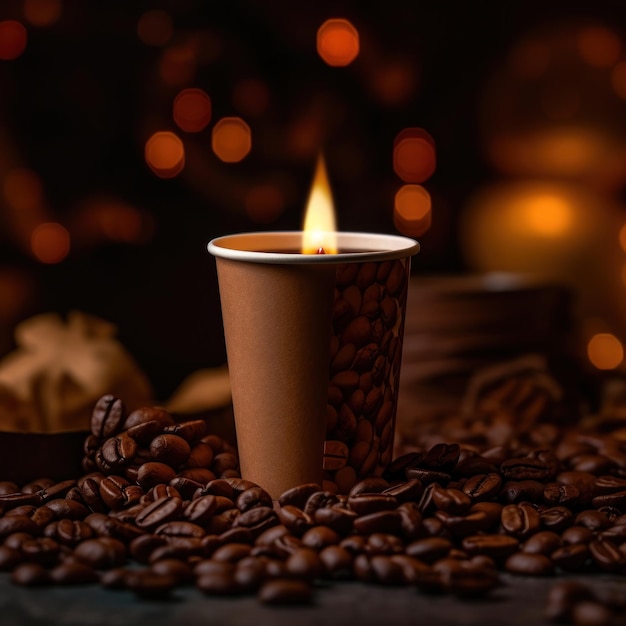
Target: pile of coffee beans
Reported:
point(161, 505)
point(365, 358)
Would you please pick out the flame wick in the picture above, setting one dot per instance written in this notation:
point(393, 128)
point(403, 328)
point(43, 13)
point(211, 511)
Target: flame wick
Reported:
point(319, 222)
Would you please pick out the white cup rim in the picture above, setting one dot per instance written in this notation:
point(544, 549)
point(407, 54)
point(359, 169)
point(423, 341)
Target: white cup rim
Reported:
point(263, 247)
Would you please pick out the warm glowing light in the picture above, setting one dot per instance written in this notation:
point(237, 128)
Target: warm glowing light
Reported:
point(548, 215)
point(22, 189)
point(264, 203)
point(165, 154)
point(319, 218)
point(192, 110)
point(50, 242)
point(414, 159)
point(178, 65)
point(231, 139)
point(605, 351)
point(618, 79)
point(42, 12)
point(599, 46)
point(251, 97)
point(154, 27)
point(338, 42)
point(412, 210)
point(121, 222)
point(13, 39)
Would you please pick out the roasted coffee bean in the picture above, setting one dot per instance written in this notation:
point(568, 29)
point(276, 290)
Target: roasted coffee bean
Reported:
point(366, 503)
point(102, 553)
point(571, 558)
point(494, 546)
point(232, 552)
point(381, 521)
point(153, 473)
point(175, 568)
point(253, 497)
point(170, 449)
point(337, 518)
point(150, 584)
point(185, 486)
point(520, 520)
point(563, 596)
point(483, 486)
point(383, 543)
point(257, 520)
point(73, 573)
point(336, 561)
point(426, 476)
point(319, 537)
point(69, 532)
point(141, 547)
point(294, 519)
point(191, 431)
point(557, 493)
point(179, 528)
point(556, 518)
point(616, 500)
point(160, 511)
point(318, 500)
point(406, 491)
point(43, 550)
point(607, 556)
point(119, 450)
point(178, 547)
point(543, 542)
point(525, 468)
point(107, 417)
point(304, 563)
point(451, 501)
point(200, 510)
point(532, 564)
point(30, 575)
point(466, 524)
point(10, 524)
point(285, 591)
point(594, 520)
point(514, 491)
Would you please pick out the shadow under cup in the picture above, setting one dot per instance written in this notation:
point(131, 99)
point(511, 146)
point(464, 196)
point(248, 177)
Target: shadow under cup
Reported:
point(314, 346)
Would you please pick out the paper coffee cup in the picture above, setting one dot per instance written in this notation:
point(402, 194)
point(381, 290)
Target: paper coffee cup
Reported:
point(277, 308)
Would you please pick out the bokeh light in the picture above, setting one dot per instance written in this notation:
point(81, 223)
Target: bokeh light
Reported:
point(412, 210)
point(605, 351)
point(231, 139)
point(414, 159)
point(192, 110)
point(251, 97)
point(178, 65)
point(394, 82)
point(548, 215)
point(599, 46)
point(22, 189)
point(165, 154)
point(337, 42)
point(154, 27)
point(264, 203)
point(50, 242)
point(42, 13)
point(13, 39)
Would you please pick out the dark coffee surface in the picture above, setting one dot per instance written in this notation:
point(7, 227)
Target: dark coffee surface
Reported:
point(520, 601)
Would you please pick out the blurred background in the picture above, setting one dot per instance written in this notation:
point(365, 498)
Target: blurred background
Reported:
point(131, 133)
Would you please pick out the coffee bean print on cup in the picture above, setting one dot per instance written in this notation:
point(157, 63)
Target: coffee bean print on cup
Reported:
point(364, 371)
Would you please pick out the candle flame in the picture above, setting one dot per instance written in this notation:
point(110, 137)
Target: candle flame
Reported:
point(319, 219)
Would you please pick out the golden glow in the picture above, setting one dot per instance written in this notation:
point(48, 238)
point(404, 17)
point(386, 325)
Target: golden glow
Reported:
point(251, 97)
point(337, 42)
point(412, 210)
point(231, 139)
point(414, 159)
point(165, 154)
point(618, 79)
point(548, 215)
point(264, 203)
point(13, 39)
point(42, 12)
point(599, 46)
point(319, 218)
point(192, 110)
point(50, 242)
point(605, 351)
point(154, 27)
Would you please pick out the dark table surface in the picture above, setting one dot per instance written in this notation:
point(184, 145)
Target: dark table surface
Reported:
point(518, 601)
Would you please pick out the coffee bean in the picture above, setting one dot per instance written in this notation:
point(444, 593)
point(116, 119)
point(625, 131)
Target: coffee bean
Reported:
point(532, 564)
point(482, 486)
point(153, 473)
point(607, 556)
point(285, 591)
point(160, 511)
point(150, 584)
point(170, 449)
point(494, 546)
point(571, 558)
point(520, 520)
point(543, 542)
point(73, 573)
point(107, 417)
point(30, 575)
point(253, 497)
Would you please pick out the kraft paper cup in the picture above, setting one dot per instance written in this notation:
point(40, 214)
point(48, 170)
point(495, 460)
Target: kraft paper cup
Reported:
point(283, 329)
